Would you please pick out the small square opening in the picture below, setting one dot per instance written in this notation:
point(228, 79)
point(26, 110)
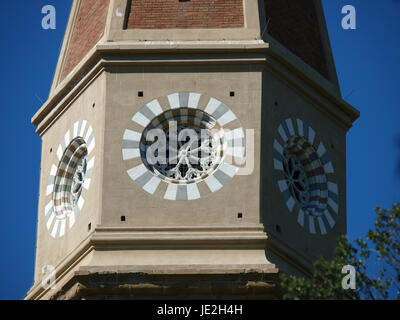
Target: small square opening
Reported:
point(89, 227)
point(140, 94)
point(240, 215)
point(123, 218)
point(232, 93)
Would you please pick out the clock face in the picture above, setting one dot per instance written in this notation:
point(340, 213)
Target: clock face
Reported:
point(182, 146)
point(306, 176)
point(69, 179)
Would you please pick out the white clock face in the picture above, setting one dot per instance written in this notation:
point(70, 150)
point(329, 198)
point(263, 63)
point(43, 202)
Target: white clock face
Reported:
point(182, 145)
point(306, 176)
point(69, 179)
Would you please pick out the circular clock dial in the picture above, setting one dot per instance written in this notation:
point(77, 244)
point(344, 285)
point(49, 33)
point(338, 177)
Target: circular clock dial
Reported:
point(306, 176)
point(193, 146)
point(69, 179)
point(187, 144)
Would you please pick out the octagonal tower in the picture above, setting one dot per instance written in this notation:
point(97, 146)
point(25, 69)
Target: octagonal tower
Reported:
point(244, 97)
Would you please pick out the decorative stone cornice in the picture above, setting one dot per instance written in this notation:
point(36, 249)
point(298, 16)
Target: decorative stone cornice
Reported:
point(189, 53)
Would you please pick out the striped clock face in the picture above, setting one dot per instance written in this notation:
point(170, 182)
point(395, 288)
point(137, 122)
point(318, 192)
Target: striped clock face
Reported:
point(70, 179)
point(178, 148)
point(306, 176)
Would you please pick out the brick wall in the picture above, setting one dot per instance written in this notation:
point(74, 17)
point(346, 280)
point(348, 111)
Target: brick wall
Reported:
point(88, 30)
point(294, 24)
point(169, 14)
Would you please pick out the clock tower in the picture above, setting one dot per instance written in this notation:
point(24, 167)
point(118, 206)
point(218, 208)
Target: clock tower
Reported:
point(189, 149)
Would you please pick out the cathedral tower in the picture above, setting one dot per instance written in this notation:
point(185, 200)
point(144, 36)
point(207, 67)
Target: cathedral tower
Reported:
point(189, 149)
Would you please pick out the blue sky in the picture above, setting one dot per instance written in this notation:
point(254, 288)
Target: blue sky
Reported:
point(369, 74)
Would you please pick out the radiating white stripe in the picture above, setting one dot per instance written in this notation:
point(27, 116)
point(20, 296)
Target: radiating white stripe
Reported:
point(83, 127)
point(289, 124)
point(140, 119)
point(333, 187)
point(55, 228)
point(155, 107)
point(213, 104)
point(321, 226)
point(229, 169)
point(300, 218)
point(321, 149)
point(76, 125)
point(193, 191)
point(282, 133)
point(300, 127)
point(71, 220)
point(67, 139)
point(50, 221)
point(86, 183)
point(194, 99)
point(132, 135)
point(53, 170)
point(213, 184)
point(329, 168)
point(62, 228)
point(89, 133)
point(59, 152)
point(278, 147)
point(49, 189)
point(278, 165)
point(312, 224)
point(333, 205)
point(174, 100)
point(282, 185)
point(226, 118)
point(90, 164)
point(290, 203)
point(170, 194)
point(130, 154)
point(152, 185)
point(329, 218)
point(48, 207)
point(91, 146)
point(81, 202)
point(137, 172)
point(311, 135)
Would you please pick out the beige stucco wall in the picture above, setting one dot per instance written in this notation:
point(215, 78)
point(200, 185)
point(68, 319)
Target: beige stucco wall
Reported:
point(292, 103)
point(124, 197)
point(52, 251)
point(113, 194)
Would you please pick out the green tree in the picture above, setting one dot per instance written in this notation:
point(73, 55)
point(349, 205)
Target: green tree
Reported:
point(380, 248)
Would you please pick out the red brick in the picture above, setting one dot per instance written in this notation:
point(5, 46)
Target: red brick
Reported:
point(171, 14)
point(295, 25)
point(88, 30)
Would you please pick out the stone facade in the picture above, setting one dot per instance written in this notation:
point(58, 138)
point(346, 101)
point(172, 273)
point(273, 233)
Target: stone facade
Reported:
point(231, 231)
